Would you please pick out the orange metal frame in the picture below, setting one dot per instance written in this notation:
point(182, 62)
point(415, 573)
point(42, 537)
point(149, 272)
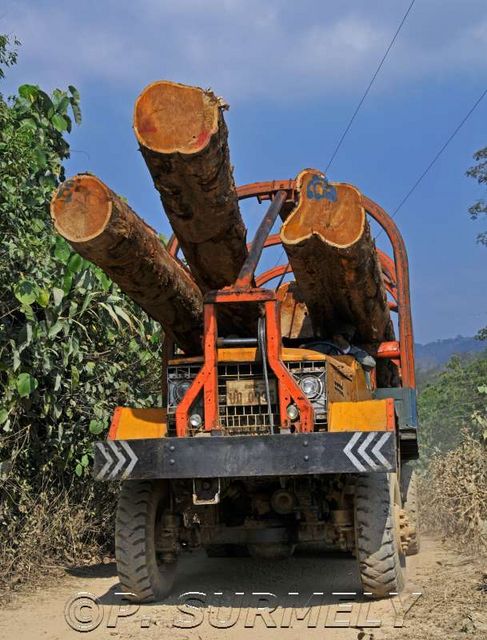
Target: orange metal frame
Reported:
point(288, 389)
point(396, 278)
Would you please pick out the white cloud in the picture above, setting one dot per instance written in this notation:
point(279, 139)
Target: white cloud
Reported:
point(245, 48)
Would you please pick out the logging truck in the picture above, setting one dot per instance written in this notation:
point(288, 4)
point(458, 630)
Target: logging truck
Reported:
point(266, 439)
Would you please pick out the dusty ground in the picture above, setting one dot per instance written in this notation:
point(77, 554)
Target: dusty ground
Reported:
point(453, 603)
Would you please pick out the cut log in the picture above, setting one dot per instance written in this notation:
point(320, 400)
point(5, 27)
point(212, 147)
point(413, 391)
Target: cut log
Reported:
point(295, 320)
point(328, 241)
point(183, 138)
point(102, 228)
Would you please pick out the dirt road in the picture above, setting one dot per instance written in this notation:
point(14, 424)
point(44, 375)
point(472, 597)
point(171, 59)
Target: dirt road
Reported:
point(312, 595)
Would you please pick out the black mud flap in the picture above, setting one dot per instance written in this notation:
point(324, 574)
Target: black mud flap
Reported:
point(244, 456)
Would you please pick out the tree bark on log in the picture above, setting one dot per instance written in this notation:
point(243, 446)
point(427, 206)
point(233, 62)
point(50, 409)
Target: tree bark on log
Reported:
point(102, 228)
point(183, 138)
point(328, 241)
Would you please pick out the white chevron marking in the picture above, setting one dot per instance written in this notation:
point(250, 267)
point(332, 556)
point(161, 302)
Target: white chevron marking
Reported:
point(133, 458)
point(121, 460)
point(377, 450)
point(108, 463)
point(348, 452)
point(362, 450)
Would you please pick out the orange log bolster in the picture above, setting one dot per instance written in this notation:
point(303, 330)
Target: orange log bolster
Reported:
point(137, 424)
point(368, 415)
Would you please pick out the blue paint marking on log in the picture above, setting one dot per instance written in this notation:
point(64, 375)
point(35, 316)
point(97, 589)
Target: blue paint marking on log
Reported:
point(319, 188)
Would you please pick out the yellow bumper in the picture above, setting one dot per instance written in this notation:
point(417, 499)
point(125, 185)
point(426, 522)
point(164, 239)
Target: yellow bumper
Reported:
point(136, 424)
point(367, 415)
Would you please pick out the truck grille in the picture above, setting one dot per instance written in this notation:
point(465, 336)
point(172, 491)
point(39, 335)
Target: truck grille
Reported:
point(244, 418)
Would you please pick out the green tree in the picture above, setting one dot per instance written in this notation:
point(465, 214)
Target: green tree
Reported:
point(479, 208)
point(72, 346)
point(8, 55)
point(452, 402)
point(479, 173)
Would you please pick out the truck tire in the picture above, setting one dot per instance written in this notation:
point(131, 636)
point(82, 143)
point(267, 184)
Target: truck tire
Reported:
point(377, 534)
point(141, 572)
point(410, 500)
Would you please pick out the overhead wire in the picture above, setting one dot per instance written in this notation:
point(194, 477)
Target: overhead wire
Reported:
point(435, 158)
point(438, 154)
point(366, 92)
point(357, 109)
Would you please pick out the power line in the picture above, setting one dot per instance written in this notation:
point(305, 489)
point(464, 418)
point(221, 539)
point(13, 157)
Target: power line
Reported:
point(445, 145)
point(362, 100)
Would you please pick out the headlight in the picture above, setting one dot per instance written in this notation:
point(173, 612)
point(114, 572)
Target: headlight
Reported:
point(195, 421)
point(179, 389)
point(312, 386)
point(292, 412)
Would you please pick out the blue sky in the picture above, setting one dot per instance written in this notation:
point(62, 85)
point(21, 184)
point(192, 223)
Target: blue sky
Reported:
point(292, 73)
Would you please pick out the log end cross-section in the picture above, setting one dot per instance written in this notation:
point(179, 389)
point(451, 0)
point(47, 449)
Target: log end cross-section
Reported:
point(328, 241)
point(102, 228)
point(175, 118)
point(331, 212)
point(295, 320)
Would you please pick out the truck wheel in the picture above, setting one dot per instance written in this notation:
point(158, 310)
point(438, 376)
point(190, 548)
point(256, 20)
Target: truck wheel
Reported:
point(141, 571)
point(377, 534)
point(410, 500)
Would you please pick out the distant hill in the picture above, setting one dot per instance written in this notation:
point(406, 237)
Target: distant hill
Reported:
point(434, 355)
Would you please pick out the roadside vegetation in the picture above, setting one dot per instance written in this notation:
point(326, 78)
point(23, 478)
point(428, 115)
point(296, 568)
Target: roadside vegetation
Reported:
point(453, 418)
point(72, 347)
point(453, 402)
point(453, 444)
point(454, 494)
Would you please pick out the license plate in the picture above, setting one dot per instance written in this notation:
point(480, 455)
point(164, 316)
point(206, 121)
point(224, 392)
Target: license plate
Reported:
point(250, 392)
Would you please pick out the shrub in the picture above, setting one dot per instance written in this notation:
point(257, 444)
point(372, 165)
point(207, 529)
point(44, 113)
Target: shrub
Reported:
point(454, 494)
